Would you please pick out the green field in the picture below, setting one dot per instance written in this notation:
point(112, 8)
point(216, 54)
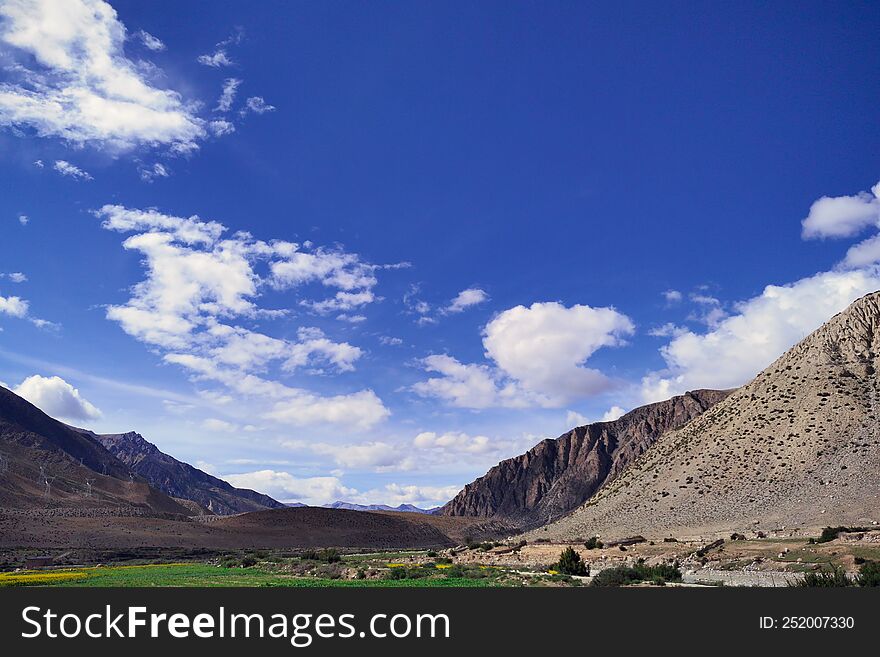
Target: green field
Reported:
point(186, 575)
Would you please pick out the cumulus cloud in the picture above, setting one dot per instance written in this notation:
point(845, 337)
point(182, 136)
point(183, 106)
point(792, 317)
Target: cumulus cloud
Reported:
point(612, 414)
point(13, 306)
point(324, 490)
point(199, 289)
point(672, 296)
point(539, 355)
point(17, 277)
point(65, 168)
point(56, 397)
point(843, 216)
point(287, 488)
point(23, 219)
point(759, 331)
point(72, 80)
point(544, 347)
point(466, 299)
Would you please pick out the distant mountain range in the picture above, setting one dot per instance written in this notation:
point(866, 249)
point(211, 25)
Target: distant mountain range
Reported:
point(406, 508)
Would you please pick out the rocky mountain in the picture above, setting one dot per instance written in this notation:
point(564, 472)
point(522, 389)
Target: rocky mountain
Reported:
point(798, 447)
point(44, 463)
point(559, 475)
point(179, 479)
point(405, 508)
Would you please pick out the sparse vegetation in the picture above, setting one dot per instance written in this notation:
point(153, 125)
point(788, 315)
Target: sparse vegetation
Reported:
point(640, 572)
point(830, 533)
point(824, 579)
point(869, 574)
point(570, 563)
point(593, 543)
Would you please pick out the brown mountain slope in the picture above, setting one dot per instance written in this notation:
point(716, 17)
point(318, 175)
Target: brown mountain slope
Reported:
point(179, 479)
point(797, 447)
point(46, 464)
point(558, 475)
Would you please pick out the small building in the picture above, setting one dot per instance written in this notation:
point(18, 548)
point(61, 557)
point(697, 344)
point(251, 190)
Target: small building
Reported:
point(38, 562)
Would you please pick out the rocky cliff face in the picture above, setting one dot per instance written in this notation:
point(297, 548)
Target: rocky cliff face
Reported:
point(181, 480)
point(559, 475)
point(798, 447)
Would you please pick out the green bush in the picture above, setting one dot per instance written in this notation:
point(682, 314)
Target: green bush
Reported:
point(593, 543)
point(824, 579)
point(830, 533)
point(431, 553)
point(396, 573)
point(869, 574)
point(624, 575)
point(570, 563)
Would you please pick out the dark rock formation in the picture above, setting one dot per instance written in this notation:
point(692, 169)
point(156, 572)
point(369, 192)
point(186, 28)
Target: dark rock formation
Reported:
point(559, 475)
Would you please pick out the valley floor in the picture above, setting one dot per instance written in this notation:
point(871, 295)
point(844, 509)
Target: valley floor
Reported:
point(768, 562)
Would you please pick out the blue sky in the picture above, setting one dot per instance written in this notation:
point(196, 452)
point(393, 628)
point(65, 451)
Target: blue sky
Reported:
point(470, 225)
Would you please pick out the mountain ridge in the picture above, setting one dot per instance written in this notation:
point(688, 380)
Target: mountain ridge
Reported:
point(557, 475)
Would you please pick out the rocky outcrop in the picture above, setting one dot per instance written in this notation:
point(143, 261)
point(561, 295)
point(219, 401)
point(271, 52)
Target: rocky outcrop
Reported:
point(559, 475)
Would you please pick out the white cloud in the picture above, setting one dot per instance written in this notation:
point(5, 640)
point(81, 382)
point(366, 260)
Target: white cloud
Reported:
point(672, 296)
point(15, 277)
point(709, 312)
point(73, 81)
point(376, 456)
point(613, 413)
point(65, 168)
point(222, 426)
point(216, 59)
point(220, 127)
point(544, 347)
point(227, 96)
point(149, 41)
point(760, 330)
point(539, 356)
point(843, 216)
point(198, 282)
point(287, 488)
point(455, 442)
point(575, 419)
point(150, 173)
point(23, 219)
point(323, 490)
point(390, 341)
point(466, 299)
point(668, 330)
point(56, 397)
point(13, 306)
point(257, 105)
point(465, 386)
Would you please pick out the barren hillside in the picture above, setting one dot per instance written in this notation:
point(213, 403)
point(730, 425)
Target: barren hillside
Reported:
point(797, 447)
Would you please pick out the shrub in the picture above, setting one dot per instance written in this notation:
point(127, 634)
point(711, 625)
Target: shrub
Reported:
point(830, 533)
point(431, 553)
point(869, 574)
point(593, 543)
point(396, 573)
point(331, 555)
point(624, 575)
point(570, 563)
point(248, 562)
point(823, 579)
